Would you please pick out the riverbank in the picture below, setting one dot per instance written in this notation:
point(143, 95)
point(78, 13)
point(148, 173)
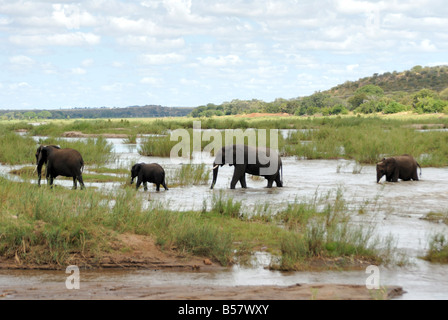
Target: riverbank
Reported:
point(95, 290)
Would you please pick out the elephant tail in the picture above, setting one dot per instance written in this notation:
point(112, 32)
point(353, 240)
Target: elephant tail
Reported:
point(82, 166)
point(281, 167)
point(420, 169)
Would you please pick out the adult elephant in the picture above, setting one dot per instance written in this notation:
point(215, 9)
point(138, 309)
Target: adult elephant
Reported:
point(402, 167)
point(246, 159)
point(60, 162)
point(152, 173)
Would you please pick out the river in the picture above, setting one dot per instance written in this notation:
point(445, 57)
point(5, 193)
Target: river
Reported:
point(394, 209)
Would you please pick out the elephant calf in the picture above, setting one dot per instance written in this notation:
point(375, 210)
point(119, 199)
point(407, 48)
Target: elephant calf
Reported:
point(152, 173)
point(402, 167)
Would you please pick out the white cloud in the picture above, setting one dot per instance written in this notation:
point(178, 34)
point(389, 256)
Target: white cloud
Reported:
point(87, 63)
point(221, 61)
point(151, 81)
point(116, 87)
point(21, 60)
point(62, 39)
point(161, 59)
point(152, 42)
point(19, 85)
point(78, 71)
point(352, 67)
point(259, 47)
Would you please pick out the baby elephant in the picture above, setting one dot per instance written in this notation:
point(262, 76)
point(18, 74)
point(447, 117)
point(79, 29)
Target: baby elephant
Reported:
point(152, 173)
point(402, 167)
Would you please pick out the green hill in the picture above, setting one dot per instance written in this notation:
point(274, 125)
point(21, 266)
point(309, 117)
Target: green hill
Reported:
point(420, 90)
point(411, 81)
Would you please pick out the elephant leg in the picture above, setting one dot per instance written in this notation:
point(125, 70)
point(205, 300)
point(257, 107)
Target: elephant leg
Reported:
point(235, 179)
point(51, 181)
point(158, 187)
point(75, 184)
point(164, 185)
point(270, 182)
point(396, 175)
point(415, 176)
point(237, 175)
point(81, 182)
point(139, 183)
point(278, 181)
point(145, 184)
point(243, 182)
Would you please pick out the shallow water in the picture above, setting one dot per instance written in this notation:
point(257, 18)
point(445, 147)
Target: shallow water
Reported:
point(393, 208)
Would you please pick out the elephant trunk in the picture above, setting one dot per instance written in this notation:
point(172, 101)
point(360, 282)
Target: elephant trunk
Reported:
point(379, 175)
point(39, 173)
point(215, 174)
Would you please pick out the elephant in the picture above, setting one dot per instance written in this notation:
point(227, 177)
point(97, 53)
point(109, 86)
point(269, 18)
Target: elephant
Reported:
point(60, 162)
point(152, 173)
point(402, 167)
point(251, 160)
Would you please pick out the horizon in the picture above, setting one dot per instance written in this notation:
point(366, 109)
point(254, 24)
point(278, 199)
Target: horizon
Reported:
point(188, 53)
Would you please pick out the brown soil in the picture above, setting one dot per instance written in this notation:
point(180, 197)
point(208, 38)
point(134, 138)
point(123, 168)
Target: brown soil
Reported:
point(140, 252)
point(124, 291)
point(128, 252)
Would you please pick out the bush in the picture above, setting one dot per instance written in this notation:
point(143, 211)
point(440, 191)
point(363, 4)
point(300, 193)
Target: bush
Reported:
point(394, 107)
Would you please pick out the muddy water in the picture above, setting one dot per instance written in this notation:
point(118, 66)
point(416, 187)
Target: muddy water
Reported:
point(393, 208)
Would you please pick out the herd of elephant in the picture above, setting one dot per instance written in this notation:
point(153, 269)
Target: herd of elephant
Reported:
point(69, 163)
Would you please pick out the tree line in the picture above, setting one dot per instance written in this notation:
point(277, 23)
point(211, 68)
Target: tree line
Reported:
point(97, 113)
point(420, 90)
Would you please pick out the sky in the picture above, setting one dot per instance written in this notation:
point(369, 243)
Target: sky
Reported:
point(117, 53)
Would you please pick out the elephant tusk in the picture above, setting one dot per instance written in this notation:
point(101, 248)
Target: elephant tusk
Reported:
point(215, 167)
point(35, 169)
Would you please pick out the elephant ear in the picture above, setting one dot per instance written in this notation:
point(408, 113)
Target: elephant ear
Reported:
point(391, 165)
point(136, 169)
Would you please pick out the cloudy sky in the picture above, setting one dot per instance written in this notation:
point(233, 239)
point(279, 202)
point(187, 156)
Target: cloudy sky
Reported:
point(117, 53)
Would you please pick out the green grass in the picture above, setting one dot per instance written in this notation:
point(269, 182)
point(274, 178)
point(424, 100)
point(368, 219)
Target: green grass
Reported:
point(157, 146)
point(42, 227)
point(438, 249)
point(226, 206)
point(39, 226)
point(189, 174)
point(94, 151)
point(364, 139)
point(369, 140)
point(323, 236)
point(15, 149)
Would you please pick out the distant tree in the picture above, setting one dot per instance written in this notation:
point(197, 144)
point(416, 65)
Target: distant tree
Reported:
point(423, 94)
point(444, 94)
point(30, 115)
point(417, 69)
point(44, 114)
point(430, 105)
point(394, 107)
point(370, 90)
point(357, 100)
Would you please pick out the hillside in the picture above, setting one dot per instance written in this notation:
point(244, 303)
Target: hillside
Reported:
point(420, 90)
point(410, 81)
